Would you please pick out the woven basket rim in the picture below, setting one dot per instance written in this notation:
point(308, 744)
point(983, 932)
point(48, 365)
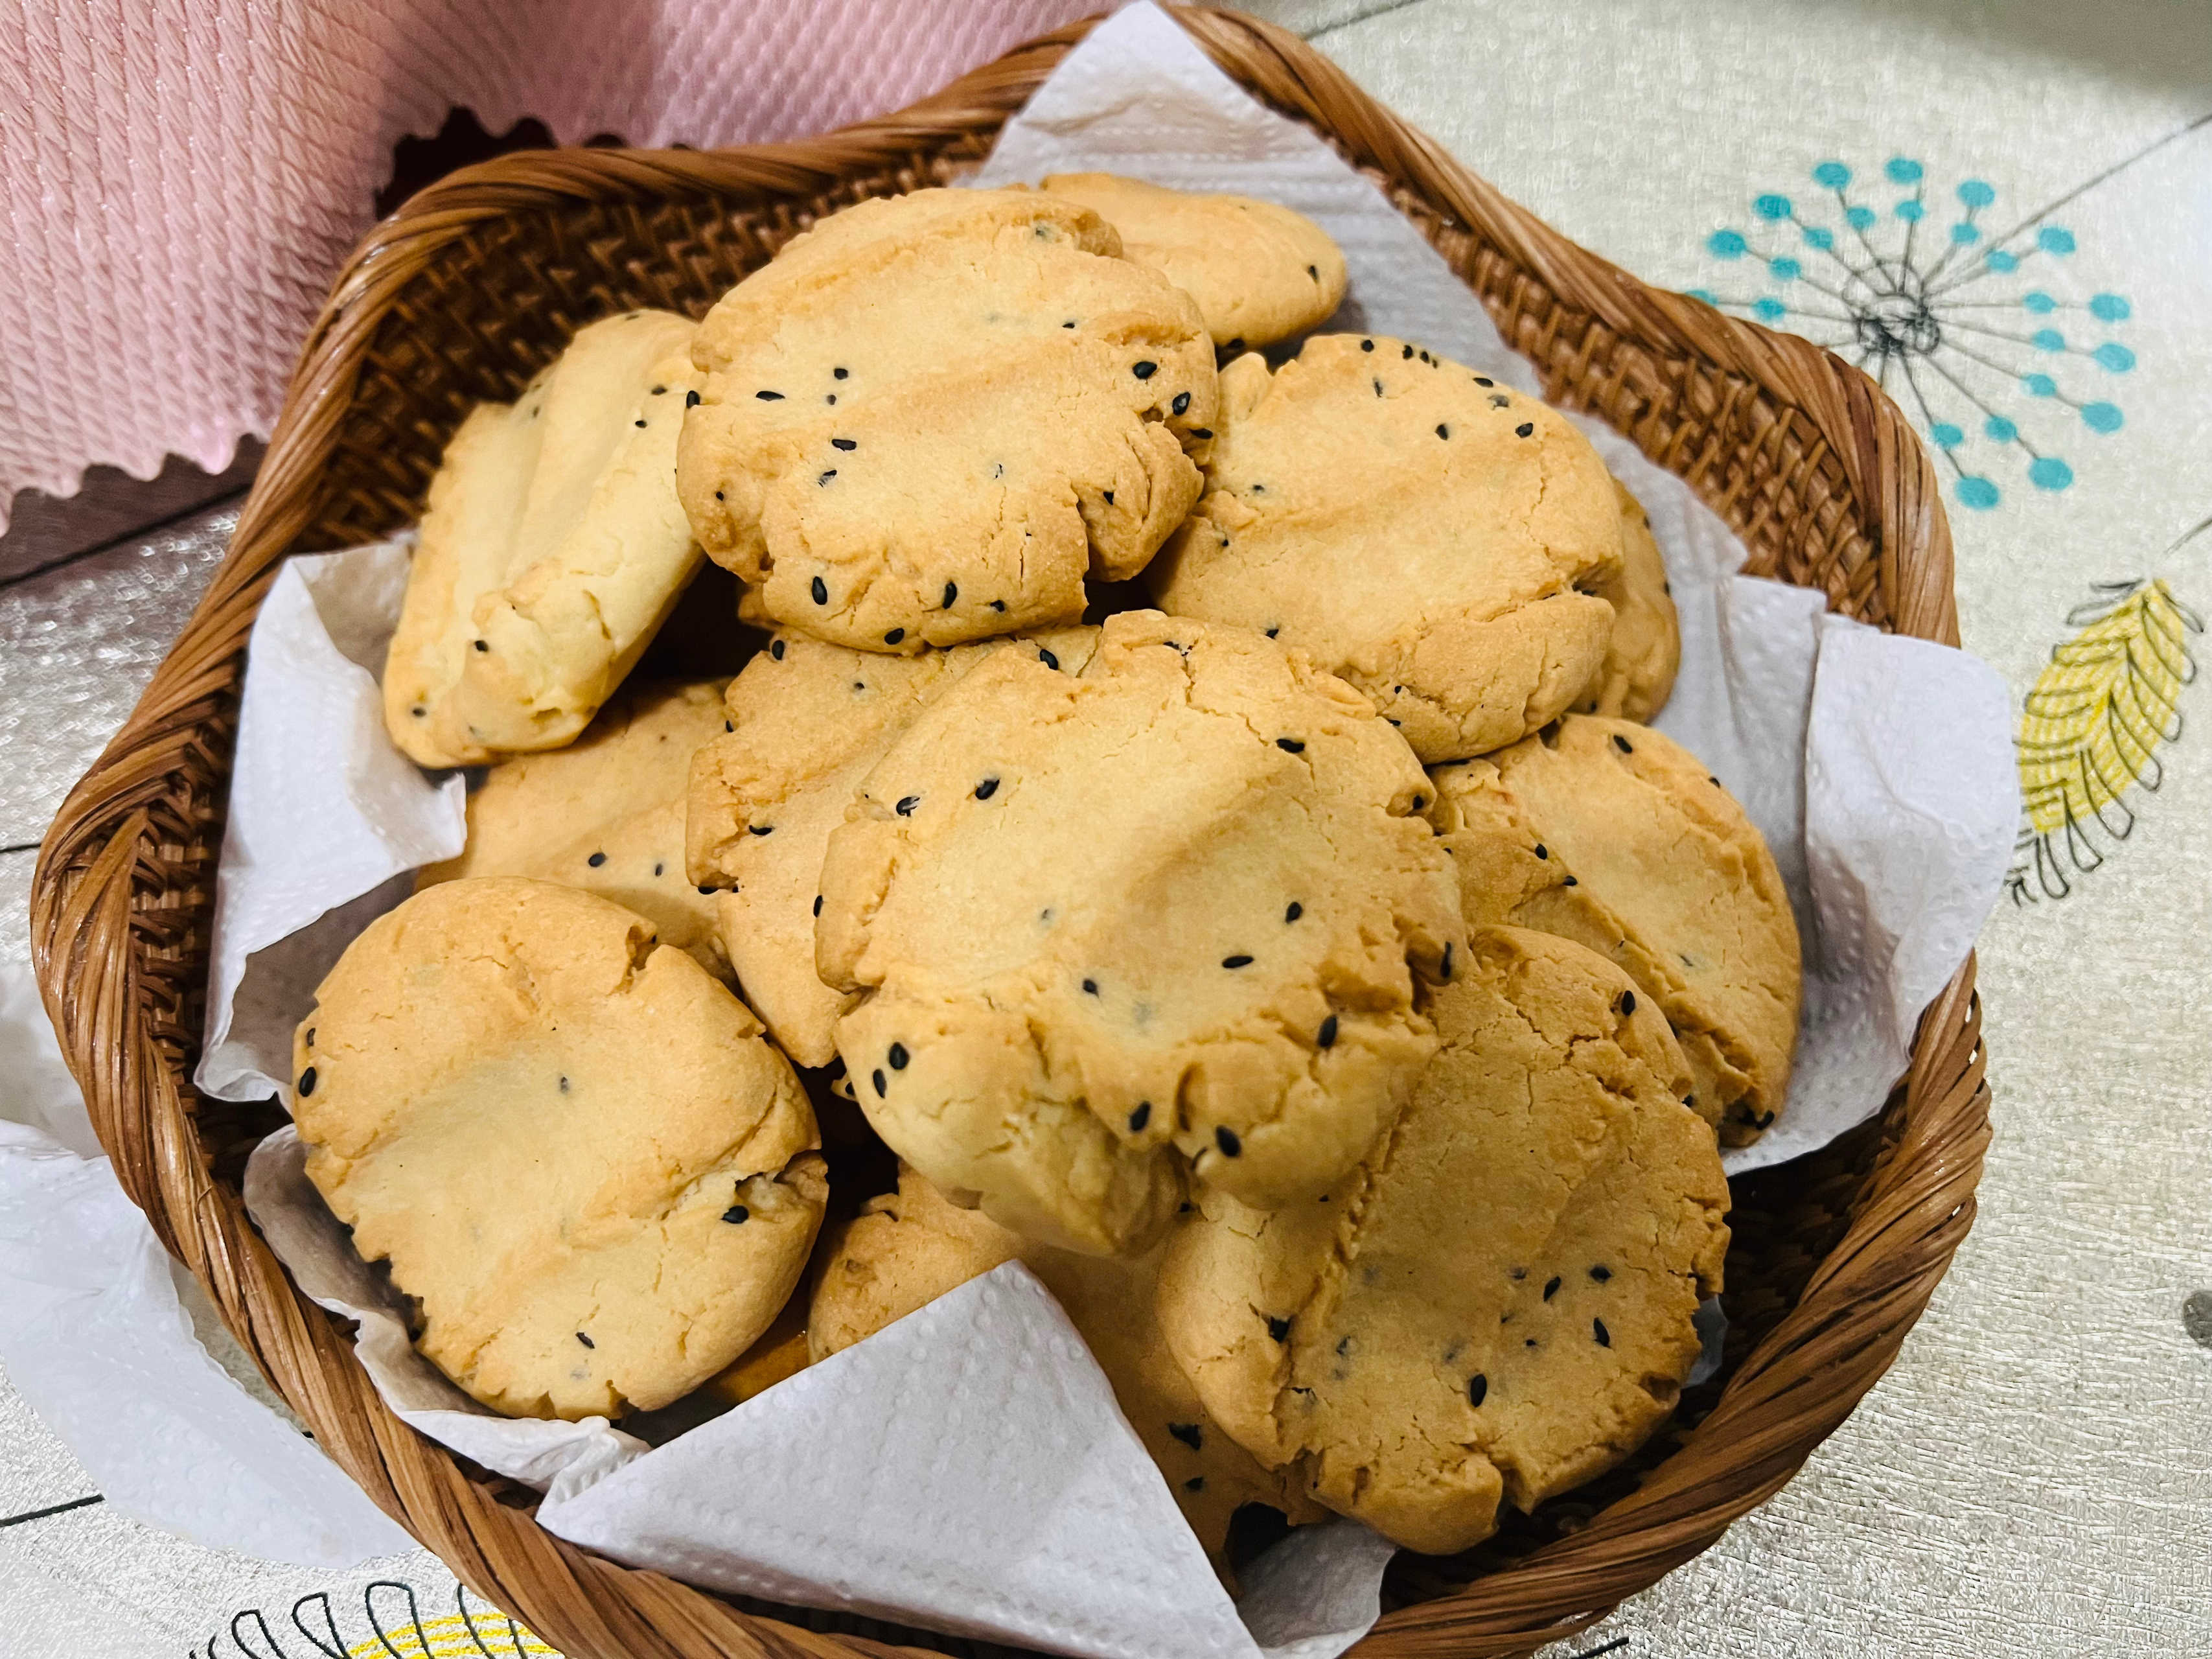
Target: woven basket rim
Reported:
point(109, 871)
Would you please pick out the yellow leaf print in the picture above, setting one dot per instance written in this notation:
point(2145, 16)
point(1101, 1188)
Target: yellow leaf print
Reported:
point(2095, 721)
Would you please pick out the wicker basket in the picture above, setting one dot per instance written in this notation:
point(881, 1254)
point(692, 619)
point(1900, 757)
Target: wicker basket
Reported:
point(475, 284)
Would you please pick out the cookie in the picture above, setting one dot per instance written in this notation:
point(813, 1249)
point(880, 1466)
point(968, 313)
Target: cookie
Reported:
point(1260, 272)
point(1430, 536)
point(1607, 833)
point(1169, 911)
point(579, 1153)
point(805, 721)
point(551, 551)
point(605, 814)
point(1497, 1304)
point(931, 416)
point(1637, 674)
point(907, 1249)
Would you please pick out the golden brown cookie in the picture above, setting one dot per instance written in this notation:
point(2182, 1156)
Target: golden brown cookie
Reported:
point(1607, 832)
point(931, 416)
point(1497, 1304)
point(551, 551)
point(908, 1248)
point(1260, 272)
point(605, 814)
point(1166, 912)
point(580, 1154)
point(1646, 649)
point(1431, 536)
point(803, 724)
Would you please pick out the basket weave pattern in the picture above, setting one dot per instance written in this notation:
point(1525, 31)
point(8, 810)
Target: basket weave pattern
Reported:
point(472, 287)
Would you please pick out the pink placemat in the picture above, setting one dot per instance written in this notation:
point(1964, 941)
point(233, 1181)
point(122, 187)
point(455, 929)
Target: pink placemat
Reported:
point(180, 183)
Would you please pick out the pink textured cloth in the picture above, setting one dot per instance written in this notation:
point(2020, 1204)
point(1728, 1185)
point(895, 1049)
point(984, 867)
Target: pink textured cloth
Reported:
point(180, 182)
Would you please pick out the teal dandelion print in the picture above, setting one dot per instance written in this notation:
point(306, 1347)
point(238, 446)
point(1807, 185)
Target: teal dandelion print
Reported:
point(1978, 325)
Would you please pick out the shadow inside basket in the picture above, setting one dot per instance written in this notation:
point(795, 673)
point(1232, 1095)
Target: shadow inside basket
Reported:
point(495, 304)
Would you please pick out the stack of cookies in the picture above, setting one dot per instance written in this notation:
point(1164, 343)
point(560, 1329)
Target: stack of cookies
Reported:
point(1188, 826)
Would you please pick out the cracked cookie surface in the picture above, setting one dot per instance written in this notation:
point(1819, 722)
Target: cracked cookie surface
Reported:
point(1497, 1304)
point(907, 1249)
point(1428, 535)
point(931, 416)
point(1167, 912)
point(1637, 674)
point(552, 548)
point(579, 1153)
point(605, 814)
point(1610, 834)
point(1260, 272)
point(806, 721)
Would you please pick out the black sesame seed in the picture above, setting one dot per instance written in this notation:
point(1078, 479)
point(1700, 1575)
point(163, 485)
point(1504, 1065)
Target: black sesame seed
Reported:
point(1068, 324)
point(1140, 1117)
point(640, 423)
point(998, 605)
point(1598, 1330)
point(1144, 371)
point(877, 1077)
point(1278, 1328)
point(1090, 988)
point(703, 891)
point(1499, 400)
point(1526, 429)
point(824, 479)
point(1196, 1483)
point(1047, 658)
point(1367, 345)
point(1716, 783)
point(1201, 432)
point(1313, 271)
point(736, 1213)
point(311, 1036)
point(897, 1055)
point(1444, 971)
point(844, 443)
point(718, 495)
point(762, 829)
point(1542, 851)
point(1182, 403)
point(418, 711)
point(1406, 353)
point(839, 374)
point(1296, 910)
point(586, 1341)
point(1442, 431)
point(1622, 743)
point(821, 591)
point(1188, 1433)
point(986, 789)
point(1236, 961)
point(1530, 1343)
point(306, 1083)
point(1378, 388)
point(690, 400)
point(1483, 379)
point(564, 1085)
point(483, 645)
point(770, 397)
point(596, 860)
point(1477, 1387)
point(1572, 882)
point(1290, 745)
point(1109, 495)
point(729, 725)
point(817, 904)
point(906, 806)
point(1551, 1287)
point(951, 592)
point(1225, 1138)
point(1274, 630)
point(1600, 1273)
point(831, 398)
point(895, 636)
point(1628, 1002)
point(776, 650)
point(1326, 1037)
